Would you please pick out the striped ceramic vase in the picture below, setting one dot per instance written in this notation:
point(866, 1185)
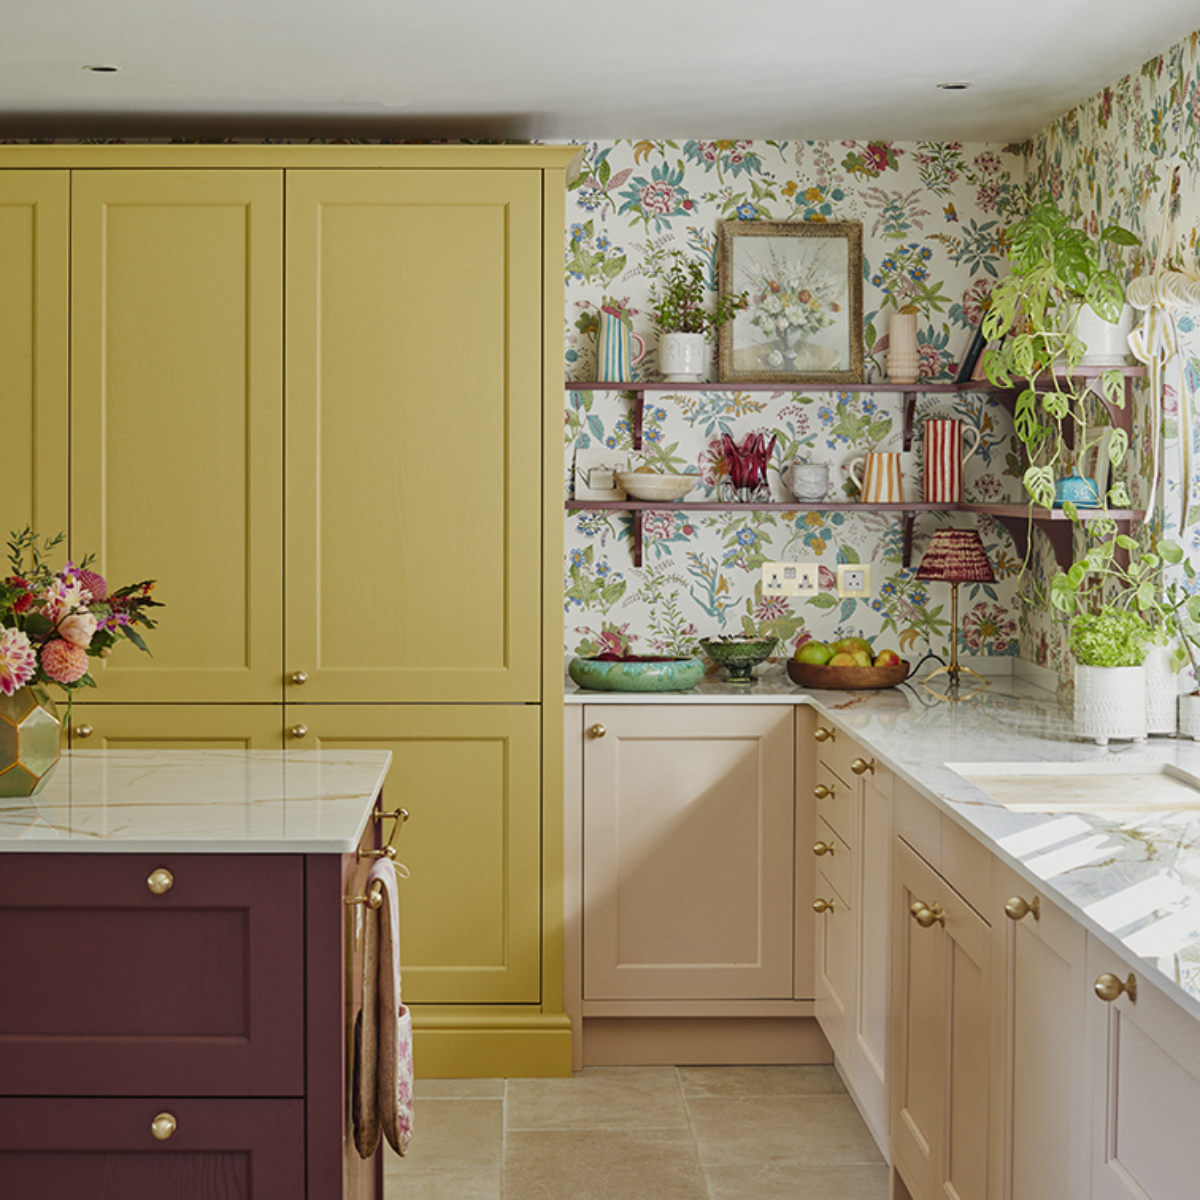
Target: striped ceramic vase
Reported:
point(614, 360)
point(944, 460)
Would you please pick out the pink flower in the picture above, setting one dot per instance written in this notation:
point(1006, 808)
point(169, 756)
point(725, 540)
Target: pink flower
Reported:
point(63, 661)
point(18, 662)
point(659, 198)
point(63, 596)
point(93, 584)
point(78, 628)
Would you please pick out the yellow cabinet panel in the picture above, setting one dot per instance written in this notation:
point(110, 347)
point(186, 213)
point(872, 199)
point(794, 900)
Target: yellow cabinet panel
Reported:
point(34, 232)
point(176, 422)
point(414, 434)
point(470, 776)
point(176, 727)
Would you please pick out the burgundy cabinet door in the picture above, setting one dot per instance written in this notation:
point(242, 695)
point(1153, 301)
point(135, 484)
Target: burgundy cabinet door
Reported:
point(108, 988)
point(105, 1149)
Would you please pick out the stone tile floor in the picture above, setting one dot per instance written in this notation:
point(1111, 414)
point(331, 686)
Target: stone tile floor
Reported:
point(640, 1133)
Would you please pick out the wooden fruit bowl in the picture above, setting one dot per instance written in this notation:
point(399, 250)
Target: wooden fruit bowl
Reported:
point(808, 675)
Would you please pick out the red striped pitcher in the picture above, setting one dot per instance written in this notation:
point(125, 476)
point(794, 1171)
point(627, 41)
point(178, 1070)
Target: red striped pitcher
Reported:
point(944, 459)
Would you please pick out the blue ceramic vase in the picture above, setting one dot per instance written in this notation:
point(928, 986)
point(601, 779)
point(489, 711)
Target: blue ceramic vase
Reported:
point(1077, 490)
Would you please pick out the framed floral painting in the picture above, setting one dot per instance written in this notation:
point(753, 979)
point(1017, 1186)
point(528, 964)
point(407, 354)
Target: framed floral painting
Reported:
point(804, 320)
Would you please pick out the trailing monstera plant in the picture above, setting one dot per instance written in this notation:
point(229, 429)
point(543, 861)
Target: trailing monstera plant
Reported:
point(1057, 269)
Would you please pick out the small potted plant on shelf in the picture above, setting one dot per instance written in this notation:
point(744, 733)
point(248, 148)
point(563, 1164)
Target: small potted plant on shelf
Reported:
point(1058, 271)
point(685, 322)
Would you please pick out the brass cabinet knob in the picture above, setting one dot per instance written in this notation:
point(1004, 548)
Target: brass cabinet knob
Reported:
point(861, 767)
point(160, 881)
point(299, 731)
point(927, 915)
point(825, 735)
point(163, 1126)
point(83, 731)
point(822, 790)
point(821, 906)
point(823, 848)
point(299, 677)
point(1109, 987)
point(597, 731)
point(1018, 908)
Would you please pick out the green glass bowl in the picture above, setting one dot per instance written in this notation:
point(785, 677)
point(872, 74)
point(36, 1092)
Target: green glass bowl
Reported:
point(664, 675)
point(738, 657)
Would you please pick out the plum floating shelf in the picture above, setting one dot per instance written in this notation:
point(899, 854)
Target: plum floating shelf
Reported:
point(1016, 518)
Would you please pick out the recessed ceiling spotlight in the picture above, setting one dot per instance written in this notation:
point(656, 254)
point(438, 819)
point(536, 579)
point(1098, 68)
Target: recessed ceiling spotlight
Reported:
point(954, 87)
point(101, 69)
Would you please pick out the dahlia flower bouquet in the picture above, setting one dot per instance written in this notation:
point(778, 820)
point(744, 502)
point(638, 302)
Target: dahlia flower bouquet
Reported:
point(52, 622)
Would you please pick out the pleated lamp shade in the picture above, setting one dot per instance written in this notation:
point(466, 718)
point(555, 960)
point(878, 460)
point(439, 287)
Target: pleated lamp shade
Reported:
point(956, 556)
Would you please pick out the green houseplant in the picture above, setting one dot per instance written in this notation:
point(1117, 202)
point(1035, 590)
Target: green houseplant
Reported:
point(684, 318)
point(1031, 323)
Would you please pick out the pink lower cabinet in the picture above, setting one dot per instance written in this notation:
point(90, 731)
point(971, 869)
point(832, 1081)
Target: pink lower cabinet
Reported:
point(213, 990)
point(115, 1149)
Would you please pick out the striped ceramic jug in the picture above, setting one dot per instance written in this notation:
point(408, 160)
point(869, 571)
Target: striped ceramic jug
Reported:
point(944, 459)
point(613, 361)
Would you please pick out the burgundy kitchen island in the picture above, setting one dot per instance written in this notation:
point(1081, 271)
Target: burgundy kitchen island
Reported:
point(180, 967)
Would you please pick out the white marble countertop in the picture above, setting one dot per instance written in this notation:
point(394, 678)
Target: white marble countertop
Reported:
point(1130, 877)
point(199, 802)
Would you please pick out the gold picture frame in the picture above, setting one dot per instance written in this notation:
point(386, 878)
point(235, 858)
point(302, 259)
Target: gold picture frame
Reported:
point(804, 322)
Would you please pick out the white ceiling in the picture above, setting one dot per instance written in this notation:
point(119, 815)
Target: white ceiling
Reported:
point(558, 70)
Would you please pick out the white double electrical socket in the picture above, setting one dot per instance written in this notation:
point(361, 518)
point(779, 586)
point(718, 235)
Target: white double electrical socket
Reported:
point(853, 581)
point(790, 579)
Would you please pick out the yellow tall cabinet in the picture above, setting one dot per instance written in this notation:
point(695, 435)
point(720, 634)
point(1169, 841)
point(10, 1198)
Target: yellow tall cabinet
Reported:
point(313, 394)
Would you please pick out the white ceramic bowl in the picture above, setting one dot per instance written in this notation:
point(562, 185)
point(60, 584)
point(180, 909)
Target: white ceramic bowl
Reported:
point(642, 485)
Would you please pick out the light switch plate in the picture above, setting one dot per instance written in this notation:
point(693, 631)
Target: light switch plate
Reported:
point(853, 581)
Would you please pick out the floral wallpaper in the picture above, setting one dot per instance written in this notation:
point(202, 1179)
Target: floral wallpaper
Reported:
point(932, 215)
point(1114, 158)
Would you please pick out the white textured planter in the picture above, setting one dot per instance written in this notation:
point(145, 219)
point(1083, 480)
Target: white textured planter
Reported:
point(1162, 688)
point(683, 357)
point(1107, 343)
point(1189, 716)
point(1110, 702)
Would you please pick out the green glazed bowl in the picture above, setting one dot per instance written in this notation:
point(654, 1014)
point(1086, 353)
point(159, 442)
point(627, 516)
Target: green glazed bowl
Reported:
point(663, 675)
point(739, 656)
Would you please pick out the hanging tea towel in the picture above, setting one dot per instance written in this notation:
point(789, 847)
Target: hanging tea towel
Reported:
point(383, 1068)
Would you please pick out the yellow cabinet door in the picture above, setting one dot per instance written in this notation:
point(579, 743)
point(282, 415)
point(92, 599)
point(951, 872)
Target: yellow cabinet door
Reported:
point(176, 421)
point(34, 257)
point(176, 727)
point(470, 778)
point(414, 435)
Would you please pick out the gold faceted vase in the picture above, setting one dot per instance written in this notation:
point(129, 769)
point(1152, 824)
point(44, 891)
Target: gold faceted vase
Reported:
point(30, 741)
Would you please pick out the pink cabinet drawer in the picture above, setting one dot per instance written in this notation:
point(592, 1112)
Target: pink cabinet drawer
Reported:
point(109, 989)
point(105, 1149)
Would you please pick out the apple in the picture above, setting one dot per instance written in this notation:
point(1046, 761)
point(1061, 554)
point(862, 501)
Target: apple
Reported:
point(849, 645)
point(842, 659)
point(814, 652)
point(887, 658)
point(862, 657)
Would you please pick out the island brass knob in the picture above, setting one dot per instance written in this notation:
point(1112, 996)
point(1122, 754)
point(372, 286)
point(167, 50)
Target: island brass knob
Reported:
point(299, 677)
point(160, 881)
point(299, 731)
point(861, 767)
point(597, 731)
point(928, 915)
point(163, 1126)
point(822, 848)
point(1109, 987)
point(820, 906)
point(825, 735)
point(83, 731)
point(821, 791)
point(1018, 908)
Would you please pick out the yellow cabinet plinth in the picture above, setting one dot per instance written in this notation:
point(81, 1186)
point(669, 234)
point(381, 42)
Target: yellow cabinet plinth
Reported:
point(470, 778)
point(34, 256)
point(176, 420)
point(414, 435)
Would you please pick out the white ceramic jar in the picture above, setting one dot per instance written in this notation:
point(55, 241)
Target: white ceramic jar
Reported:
point(1110, 702)
point(1162, 688)
point(683, 357)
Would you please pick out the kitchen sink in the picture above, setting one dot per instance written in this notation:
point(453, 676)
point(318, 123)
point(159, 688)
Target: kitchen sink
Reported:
point(1085, 787)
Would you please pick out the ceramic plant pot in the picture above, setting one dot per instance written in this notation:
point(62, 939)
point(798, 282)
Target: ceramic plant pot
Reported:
point(1107, 341)
point(683, 357)
point(1110, 702)
point(1162, 688)
point(1189, 716)
point(30, 741)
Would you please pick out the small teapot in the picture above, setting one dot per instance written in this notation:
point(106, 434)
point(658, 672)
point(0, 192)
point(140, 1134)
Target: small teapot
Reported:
point(807, 481)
